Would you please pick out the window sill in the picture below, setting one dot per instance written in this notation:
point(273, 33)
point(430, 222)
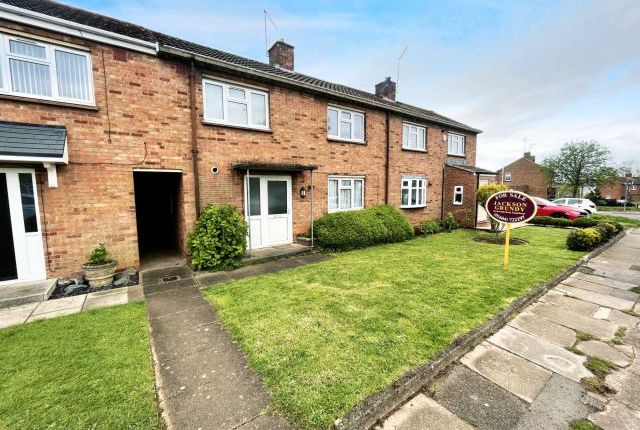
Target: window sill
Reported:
point(238, 127)
point(338, 140)
point(423, 151)
point(413, 207)
point(48, 102)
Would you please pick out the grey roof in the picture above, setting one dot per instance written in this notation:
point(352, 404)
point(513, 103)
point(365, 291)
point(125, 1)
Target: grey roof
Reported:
point(473, 169)
point(102, 22)
point(31, 140)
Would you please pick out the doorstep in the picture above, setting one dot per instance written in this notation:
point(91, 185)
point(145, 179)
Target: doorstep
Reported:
point(26, 292)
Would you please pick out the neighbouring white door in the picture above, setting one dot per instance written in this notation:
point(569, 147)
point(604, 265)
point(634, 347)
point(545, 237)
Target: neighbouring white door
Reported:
point(21, 252)
point(269, 210)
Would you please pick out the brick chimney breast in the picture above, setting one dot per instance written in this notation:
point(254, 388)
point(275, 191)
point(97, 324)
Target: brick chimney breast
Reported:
point(281, 55)
point(386, 89)
point(530, 156)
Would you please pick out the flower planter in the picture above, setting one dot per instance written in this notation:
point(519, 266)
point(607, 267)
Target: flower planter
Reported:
point(99, 275)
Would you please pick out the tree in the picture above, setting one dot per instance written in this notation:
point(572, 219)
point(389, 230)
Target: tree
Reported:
point(483, 194)
point(580, 164)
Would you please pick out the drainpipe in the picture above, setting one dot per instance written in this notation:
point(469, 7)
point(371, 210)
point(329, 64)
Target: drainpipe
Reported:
point(194, 134)
point(386, 162)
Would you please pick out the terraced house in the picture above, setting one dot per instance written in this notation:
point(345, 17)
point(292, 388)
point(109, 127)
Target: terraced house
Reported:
point(113, 133)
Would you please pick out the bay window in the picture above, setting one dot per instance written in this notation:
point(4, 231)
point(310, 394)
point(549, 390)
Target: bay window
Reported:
point(230, 104)
point(456, 144)
point(345, 124)
point(414, 137)
point(413, 192)
point(346, 193)
point(31, 68)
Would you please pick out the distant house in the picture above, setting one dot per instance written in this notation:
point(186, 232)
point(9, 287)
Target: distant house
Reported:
point(527, 176)
point(625, 188)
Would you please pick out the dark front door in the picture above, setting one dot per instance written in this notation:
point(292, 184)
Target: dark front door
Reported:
point(8, 269)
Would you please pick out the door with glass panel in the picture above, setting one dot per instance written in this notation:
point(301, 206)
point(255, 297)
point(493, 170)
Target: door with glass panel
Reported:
point(269, 210)
point(21, 252)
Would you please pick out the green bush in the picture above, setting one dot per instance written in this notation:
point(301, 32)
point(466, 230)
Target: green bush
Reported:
point(218, 240)
point(449, 223)
point(430, 227)
point(99, 255)
point(583, 240)
point(358, 229)
point(584, 222)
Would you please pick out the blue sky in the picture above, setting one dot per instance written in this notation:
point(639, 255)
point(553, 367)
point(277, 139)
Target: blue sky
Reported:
point(530, 74)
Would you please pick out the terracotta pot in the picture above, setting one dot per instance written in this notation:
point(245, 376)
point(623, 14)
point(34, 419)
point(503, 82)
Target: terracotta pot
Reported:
point(99, 275)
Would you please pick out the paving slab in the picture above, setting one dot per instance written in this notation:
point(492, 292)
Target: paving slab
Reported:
point(541, 352)
point(579, 306)
point(104, 300)
point(538, 326)
point(600, 299)
point(423, 413)
point(612, 283)
point(600, 328)
point(599, 349)
point(513, 373)
point(560, 402)
point(616, 417)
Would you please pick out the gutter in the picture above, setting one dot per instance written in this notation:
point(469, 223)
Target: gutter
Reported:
point(312, 88)
point(59, 25)
point(194, 134)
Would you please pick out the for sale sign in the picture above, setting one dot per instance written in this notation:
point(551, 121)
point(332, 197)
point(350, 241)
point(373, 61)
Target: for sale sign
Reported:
point(511, 207)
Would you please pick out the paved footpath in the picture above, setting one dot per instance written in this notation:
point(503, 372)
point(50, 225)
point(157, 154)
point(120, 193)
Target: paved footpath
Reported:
point(202, 377)
point(529, 375)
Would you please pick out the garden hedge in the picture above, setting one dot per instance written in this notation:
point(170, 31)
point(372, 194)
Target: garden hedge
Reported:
point(342, 231)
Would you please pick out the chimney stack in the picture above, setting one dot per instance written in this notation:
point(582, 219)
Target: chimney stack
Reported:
point(281, 55)
point(386, 89)
point(529, 156)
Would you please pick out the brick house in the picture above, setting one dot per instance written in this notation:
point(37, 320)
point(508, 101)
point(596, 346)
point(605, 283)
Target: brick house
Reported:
point(527, 176)
point(113, 133)
point(626, 188)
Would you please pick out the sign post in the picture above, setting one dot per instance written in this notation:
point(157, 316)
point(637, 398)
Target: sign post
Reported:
point(510, 207)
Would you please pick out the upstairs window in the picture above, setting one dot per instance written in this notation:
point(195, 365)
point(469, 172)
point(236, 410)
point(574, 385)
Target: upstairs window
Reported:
point(343, 124)
point(414, 137)
point(456, 144)
point(413, 192)
point(31, 68)
point(458, 194)
point(346, 193)
point(230, 104)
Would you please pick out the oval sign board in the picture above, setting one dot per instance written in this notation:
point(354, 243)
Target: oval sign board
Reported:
point(511, 207)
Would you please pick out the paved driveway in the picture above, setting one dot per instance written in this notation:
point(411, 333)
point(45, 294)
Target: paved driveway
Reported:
point(530, 374)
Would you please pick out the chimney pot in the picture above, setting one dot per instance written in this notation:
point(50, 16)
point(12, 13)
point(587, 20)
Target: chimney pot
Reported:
point(386, 89)
point(281, 55)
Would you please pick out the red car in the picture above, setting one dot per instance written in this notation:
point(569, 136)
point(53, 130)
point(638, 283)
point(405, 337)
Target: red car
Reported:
point(547, 208)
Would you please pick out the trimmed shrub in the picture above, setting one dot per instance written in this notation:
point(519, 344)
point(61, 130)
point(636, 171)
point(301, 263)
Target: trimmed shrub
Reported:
point(449, 223)
point(583, 240)
point(342, 231)
point(430, 227)
point(218, 239)
point(584, 222)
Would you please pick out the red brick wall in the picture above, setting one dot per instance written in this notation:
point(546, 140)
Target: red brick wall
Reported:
point(149, 105)
point(526, 176)
point(466, 212)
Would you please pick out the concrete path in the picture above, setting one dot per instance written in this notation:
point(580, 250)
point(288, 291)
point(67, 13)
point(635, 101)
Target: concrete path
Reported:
point(68, 305)
point(529, 375)
point(202, 377)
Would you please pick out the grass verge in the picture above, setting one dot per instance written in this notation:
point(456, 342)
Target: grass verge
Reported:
point(325, 336)
point(86, 371)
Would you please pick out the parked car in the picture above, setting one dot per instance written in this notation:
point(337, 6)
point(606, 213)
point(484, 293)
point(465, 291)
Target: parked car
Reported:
point(585, 204)
point(547, 208)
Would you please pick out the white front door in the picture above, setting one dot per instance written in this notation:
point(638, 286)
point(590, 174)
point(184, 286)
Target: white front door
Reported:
point(269, 210)
point(21, 252)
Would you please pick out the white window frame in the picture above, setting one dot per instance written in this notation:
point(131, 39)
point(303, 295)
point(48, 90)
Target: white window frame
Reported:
point(351, 187)
point(464, 144)
point(406, 142)
point(49, 60)
point(249, 90)
point(339, 110)
point(458, 190)
point(507, 176)
point(410, 187)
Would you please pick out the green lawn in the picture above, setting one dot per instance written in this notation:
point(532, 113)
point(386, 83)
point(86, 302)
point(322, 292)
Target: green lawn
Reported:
point(86, 371)
point(324, 336)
